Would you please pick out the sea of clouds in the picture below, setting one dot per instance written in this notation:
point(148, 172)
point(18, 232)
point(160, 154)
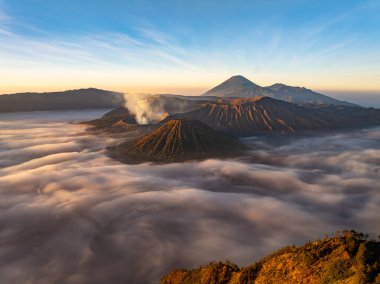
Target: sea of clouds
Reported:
point(70, 214)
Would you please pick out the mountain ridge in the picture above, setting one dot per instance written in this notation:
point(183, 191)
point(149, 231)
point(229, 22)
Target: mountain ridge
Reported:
point(90, 98)
point(249, 116)
point(239, 86)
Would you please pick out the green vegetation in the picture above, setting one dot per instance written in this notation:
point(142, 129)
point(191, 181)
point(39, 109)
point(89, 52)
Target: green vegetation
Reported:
point(347, 257)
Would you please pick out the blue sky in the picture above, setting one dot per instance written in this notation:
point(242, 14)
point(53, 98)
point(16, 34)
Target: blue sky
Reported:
point(188, 46)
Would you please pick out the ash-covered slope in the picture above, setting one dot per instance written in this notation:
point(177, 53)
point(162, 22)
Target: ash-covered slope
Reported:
point(348, 258)
point(240, 87)
point(243, 117)
point(179, 140)
point(73, 99)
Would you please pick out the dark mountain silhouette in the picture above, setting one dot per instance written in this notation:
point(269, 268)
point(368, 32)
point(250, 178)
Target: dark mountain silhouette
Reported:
point(347, 258)
point(178, 140)
point(73, 99)
point(239, 86)
point(243, 117)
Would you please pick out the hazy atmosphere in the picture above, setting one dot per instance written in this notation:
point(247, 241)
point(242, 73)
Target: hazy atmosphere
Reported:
point(186, 47)
point(93, 220)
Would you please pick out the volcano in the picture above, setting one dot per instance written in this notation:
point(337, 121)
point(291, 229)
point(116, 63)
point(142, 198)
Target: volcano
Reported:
point(244, 117)
point(179, 140)
point(116, 115)
point(118, 121)
point(240, 87)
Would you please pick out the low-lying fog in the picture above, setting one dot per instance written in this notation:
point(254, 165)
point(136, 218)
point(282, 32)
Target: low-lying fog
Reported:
point(70, 214)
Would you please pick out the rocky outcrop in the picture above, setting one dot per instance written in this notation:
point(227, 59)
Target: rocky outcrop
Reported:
point(348, 258)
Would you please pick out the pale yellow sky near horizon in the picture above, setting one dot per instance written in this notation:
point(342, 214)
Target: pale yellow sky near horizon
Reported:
point(330, 52)
point(167, 83)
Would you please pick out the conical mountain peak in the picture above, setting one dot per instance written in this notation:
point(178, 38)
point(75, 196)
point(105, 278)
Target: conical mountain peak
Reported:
point(239, 79)
point(180, 140)
point(237, 86)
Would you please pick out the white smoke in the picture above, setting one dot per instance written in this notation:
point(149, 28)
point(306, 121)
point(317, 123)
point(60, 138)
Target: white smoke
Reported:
point(145, 107)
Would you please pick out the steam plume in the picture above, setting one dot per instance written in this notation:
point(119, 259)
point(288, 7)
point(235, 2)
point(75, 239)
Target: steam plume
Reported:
point(145, 108)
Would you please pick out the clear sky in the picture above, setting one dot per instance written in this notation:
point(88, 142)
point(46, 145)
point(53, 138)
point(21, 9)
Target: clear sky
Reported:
point(188, 46)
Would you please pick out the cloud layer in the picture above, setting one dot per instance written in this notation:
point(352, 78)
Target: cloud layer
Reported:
point(71, 214)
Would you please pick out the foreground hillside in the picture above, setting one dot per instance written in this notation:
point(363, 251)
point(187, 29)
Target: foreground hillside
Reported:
point(347, 258)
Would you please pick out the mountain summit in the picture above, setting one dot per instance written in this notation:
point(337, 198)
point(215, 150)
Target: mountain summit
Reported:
point(240, 87)
point(237, 86)
point(239, 80)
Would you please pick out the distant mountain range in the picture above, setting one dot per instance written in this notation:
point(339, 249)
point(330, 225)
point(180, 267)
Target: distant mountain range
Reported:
point(73, 99)
point(91, 98)
point(235, 87)
point(240, 87)
point(347, 258)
